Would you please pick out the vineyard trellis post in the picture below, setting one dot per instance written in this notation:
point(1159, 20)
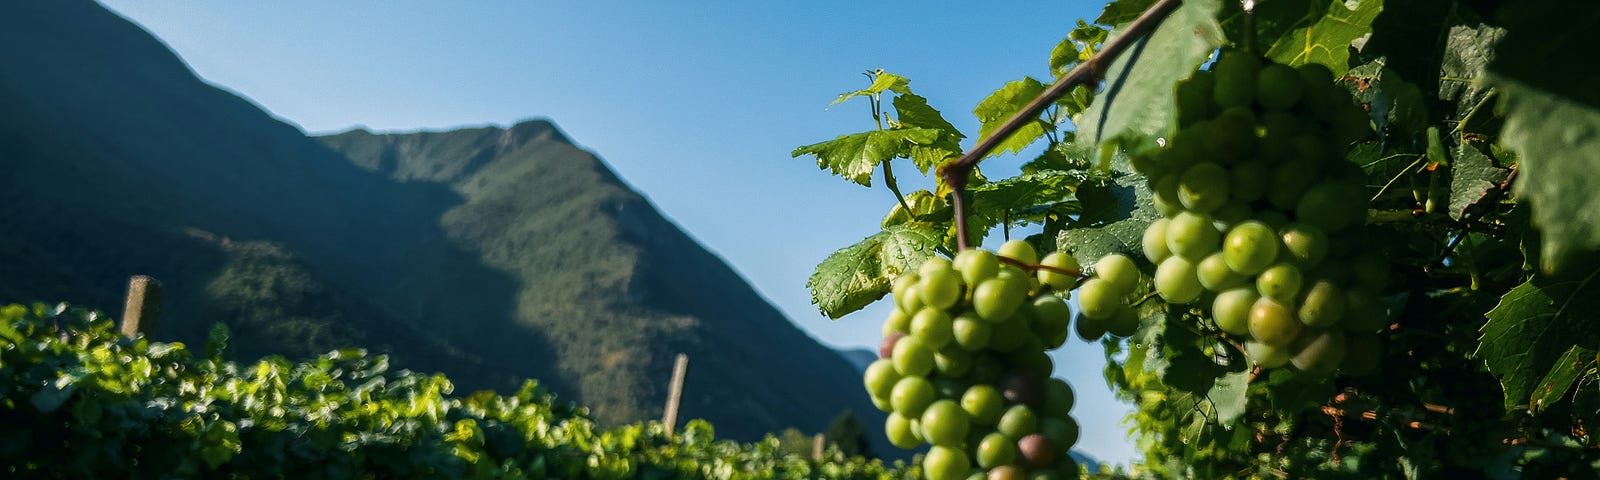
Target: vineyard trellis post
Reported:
point(142, 311)
point(669, 416)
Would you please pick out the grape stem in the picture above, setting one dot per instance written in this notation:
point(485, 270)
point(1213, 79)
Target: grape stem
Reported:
point(955, 173)
point(1036, 266)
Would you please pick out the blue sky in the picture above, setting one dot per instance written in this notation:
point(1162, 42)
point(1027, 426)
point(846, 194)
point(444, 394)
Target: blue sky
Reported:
point(696, 105)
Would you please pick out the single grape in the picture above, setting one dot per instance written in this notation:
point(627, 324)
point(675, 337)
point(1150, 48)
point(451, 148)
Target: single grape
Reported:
point(1057, 276)
point(1051, 320)
point(1089, 329)
point(1216, 275)
point(1194, 98)
point(970, 332)
point(1030, 358)
point(912, 357)
point(997, 298)
point(1232, 213)
point(1099, 298)
point(1267, 356)
point(1329, 206)
point(1231, 137)
point(995, 450)
point(1018, 421)
point(1272, 323)
point(898, 322)
point(1320, 352)
point(1119, 270)
point(1291, 180)
point(1058, 398)
point(983, 404)
point(1278, 87)
point(952, 362)
point(1123, 323)
point(1203, 187)
point(1231, 310)
point(1323, 305)
point(900, 432)
point(940, 286)
point(1235, 73)
point(1010, 334)
point(1020, 251)
point(987, 368)
point(886, 347)
point(1165, 195)
point(1248, 181)
point(1062, 430)
point(1177, 281)
point(1305, 244)
point(945, 463)
point(945, 424)
point(933, 327)
point(1280, 282)
point(1192, 236)
point(976, 265)
point(1007, 472)
point(911, 395)
point(1036, 451)
point(1155, 241)
point(880, 378)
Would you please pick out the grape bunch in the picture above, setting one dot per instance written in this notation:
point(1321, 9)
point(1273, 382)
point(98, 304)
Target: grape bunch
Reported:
point(964, 367)
point(1263, 218)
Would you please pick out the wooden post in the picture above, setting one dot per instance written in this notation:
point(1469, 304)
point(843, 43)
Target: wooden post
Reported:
point(675, 393)
point(818, 444)
point(143, 310)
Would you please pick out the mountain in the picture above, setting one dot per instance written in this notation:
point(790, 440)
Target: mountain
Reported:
point(489, 254)
point(859, 358)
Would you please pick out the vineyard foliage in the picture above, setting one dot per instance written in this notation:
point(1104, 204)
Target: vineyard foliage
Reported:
point(79, 400)
point(1481, 177)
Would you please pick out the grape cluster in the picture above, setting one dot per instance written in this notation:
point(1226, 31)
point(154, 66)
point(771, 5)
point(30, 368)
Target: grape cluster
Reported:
point(964, 367)
point(1263, 217)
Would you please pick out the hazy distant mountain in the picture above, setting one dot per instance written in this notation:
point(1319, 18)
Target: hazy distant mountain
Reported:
point(859, 358)
point(489, 254)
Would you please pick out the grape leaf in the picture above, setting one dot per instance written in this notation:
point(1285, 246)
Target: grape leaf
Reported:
point(881, 82)
point(1468, 50)
point(1004, 103)
point(1566, 370)
point(1137, 100)
point(993, 200)
point(1471, 175)
point(1122, 11)
point(855, 156)
point(1229, 397)
point(1535, 323)
point(1121, 211)
point(1325, 37)
point(1555, 139)
point(855, 276)
point(915, 112)
point(925, 206)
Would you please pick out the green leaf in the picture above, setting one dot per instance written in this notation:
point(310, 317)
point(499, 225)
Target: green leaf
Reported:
point(1122, 11)
point(1228, 395)
point(1137, 101)
point(1325, 37)
point(1472, 174)
point(1555, 139)
point(1002, 105)
point(925, 206)
point(855, 276)
point(1533, 325)
point(855, 156)
point(993, 200)
point(881, 82)
point(1468, 50)
point(914, 112)
point(1575, 363)
point(1115, 216)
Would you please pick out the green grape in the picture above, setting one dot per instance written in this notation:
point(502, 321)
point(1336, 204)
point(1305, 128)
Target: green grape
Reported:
point(1250, 248)
point(1232, 213)
point(1235, 79)
point(1278, 87)
point(1231, 310)
point(1089, 329)
point(900, 432)
point(1194, 98)
point(1204, 187)
point(880, 378)
point(1030, 357)
point(1290, 181)
point(945, 424)
point(898, 322)
point(1062, 431)
point(950, 387)
point(1231, 137)
point(912, 357)
point(1305, 244)
point(1329, 206)
point(1177, 282)
point(1248, 181)
point(1123, 323)
point(1019, 250)
point(933, 327)
point(1364, 311)
point(952, 362)
point(940, 286)
point(998, 298)
point(1119, 270)
point(1272, 323)
point(970, 332)
point(1165, 195)
point(1323, 305)
point(976, 265)
point(1319, 352)
point(1058, 280)
point(911, 395)
point(1010, 334)
point(983, 404)
point(1099, 298)
point(945, 463)
point(1362, 355)
point(987, 367)
point(1319, 94)
point(1216, 275)
point(1155, 241)
point(1007, 472)
point(1058, 398)
point(1192, 236)
point(1267, 356)
point(1280, 282)
point(995, 450)
point(882, 403)
point(1272, 218)
point(905, 292)
point(1051, 320)
point(1018, 421)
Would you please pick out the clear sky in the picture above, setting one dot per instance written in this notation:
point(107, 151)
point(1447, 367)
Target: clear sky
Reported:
point(695, 104)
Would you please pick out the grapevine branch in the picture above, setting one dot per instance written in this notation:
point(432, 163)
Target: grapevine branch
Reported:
point(1089, 72)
